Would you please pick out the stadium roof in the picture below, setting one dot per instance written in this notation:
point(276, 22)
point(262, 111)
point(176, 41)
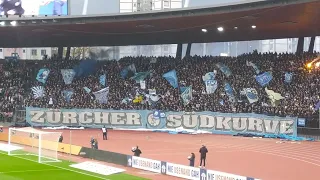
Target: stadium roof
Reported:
point(272, 18)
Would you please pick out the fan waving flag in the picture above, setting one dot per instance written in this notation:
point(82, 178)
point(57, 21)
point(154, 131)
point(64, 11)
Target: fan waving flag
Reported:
point(102, 95)
point(43, 75)
point(103, 79)
point(172, 78)
point(68, 75)
point(38, 92)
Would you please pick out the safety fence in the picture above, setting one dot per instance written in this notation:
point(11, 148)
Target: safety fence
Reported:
point(309, 133)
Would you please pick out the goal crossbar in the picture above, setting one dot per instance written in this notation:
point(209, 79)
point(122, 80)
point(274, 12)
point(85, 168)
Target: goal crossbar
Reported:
point(30, 141)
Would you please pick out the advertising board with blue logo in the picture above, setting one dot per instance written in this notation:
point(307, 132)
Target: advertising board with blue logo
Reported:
point(219, 123)
point(181, 171)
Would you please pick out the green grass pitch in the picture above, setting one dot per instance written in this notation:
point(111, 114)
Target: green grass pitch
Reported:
point(27, 168)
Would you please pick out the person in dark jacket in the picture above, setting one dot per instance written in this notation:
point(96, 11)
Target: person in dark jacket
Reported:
point(60, 138)
point(136, 151)
point(95, 144)
point(203, 155)
point(192, 159)
point(92, 142)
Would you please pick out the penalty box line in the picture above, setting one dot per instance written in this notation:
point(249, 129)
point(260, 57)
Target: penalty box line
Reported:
point(56, 167)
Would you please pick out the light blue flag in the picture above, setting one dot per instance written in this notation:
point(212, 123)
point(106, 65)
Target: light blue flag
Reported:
point(38, 92)
point(254, 66)
point(43, 75)
point(209, 76)
point(87, 90)
point(68, 75)
point(172, 78)
point(187, 95)
point(288, 77)
point(221, 102)
point(103, 79)
point(102, 95)
point(211, 86)
point(132, 68)
point(264, 78)
point(140, 76)
point(224, 69)
point(229, 91)
point(67, 94)
point(252, 95)
point(182, 89)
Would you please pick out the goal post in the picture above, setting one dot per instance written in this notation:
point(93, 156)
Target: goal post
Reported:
point(38, 145)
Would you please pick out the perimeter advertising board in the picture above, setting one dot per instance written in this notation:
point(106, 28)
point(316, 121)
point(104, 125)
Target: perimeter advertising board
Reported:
point(181, 171)
point(220, 123)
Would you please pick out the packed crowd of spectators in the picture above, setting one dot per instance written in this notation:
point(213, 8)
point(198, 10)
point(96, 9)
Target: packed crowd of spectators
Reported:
point(301, 94)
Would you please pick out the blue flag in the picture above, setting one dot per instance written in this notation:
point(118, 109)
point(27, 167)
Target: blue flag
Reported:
point(264, 78)
point(229, 91)
point(102, 79)
point(67, 94)
point(224, 69)
point(172, 78)
point(140, 76)
point(102, 95)
point(43, 75)
point(187, 95)
point(68, 75)
point(252, 95)
point(182, 89)
point(288, 77)
point(211, 86)
point(209, 76)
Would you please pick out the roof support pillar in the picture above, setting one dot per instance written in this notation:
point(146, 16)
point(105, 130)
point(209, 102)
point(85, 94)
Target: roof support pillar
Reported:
point(68, 53)
point(311, 45)
point(188, 50)
point(179, 51)
point(300, 45)
point(60, 52)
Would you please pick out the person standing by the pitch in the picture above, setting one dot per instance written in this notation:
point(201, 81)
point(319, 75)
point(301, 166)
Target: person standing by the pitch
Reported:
point(203, 155)
point(104, 133)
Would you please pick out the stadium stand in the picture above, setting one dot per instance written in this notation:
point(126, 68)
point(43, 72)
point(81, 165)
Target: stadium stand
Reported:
point(301, 94)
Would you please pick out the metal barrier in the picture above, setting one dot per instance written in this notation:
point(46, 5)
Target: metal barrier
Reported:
point(309, 133)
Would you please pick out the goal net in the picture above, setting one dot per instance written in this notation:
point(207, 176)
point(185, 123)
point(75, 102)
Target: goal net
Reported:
point(32, 143)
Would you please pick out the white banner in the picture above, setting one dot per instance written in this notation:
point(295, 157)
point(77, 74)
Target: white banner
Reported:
point(146, 164)
point(221, 175)
point(181, 171)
